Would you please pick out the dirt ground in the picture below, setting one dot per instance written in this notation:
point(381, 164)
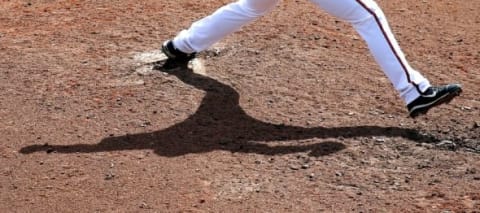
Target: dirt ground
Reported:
point(291, 114)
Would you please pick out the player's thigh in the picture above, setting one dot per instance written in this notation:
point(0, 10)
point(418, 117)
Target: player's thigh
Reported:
point(349, 10)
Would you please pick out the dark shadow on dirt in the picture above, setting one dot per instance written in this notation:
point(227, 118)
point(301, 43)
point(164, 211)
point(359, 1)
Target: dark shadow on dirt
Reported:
point(221, 124)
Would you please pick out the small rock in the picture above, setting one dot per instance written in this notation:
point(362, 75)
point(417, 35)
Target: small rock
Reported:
point(294, 167)
point(471, 171)
point(109, 176)
point(305, 166)
point(50, 150)
point(145, 70)
point(427, 145)
point(471, 150)
point(380, 140)
point(476, 124)
point(145, 124)
point(258, 162)
point(446, 144)
point(338, 174)
point(476, 178)
point(143, 205)
point(466, 108)
point(424, 165)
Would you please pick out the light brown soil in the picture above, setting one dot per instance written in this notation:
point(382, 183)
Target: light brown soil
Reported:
point(291, 114)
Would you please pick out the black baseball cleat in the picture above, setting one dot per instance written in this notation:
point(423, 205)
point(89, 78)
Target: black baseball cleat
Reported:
point(433, 96)
point(175, 58)
point(175, 54)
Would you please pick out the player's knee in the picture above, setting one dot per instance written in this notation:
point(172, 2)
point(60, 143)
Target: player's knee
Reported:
point(368, 12)
point(258, 7)
point(354, 13)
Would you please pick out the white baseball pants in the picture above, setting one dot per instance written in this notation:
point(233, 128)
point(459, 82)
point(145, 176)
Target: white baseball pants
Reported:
point(365, 15)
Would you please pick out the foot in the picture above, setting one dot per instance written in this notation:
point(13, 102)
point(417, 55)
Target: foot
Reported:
point(176, 58)
point(433, 96)
point(175, 54)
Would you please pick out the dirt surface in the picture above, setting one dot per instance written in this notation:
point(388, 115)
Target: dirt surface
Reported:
point(291, 114)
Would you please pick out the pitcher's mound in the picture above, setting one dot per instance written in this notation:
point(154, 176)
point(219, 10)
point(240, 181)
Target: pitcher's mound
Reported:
point(146, 61)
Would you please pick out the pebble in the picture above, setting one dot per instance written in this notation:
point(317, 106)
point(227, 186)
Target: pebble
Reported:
point(446, 144)
point(471, 171)
point(380, 140)
point(294, 167)
point(476, 124)
point(424, 165)
point(50, 150)
point(144, 205)
point(109, 176)
point(145, 124)
point(427, 145)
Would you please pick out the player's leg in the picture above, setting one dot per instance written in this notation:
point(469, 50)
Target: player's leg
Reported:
point(226, 20)
point(370, 22)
